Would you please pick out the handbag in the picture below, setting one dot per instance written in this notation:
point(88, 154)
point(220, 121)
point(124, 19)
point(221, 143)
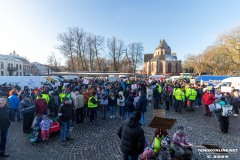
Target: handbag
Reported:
point(211, 107)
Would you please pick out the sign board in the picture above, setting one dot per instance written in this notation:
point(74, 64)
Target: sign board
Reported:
point(209, 88)
point(85, 81)
point(149, 81)
point(104, 102)
point(193, 81)
point(159, 113)
point(57, 84)
point(65, 84)
point(226, 89)
point(134, 86)
point(162, 123)
point(31, 83)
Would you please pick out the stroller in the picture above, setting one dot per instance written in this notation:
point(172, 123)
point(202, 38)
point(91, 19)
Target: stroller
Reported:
point(35, 136)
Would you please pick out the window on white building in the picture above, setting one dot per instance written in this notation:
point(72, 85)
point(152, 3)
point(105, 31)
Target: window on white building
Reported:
point(17, 66)
point(2, 73)
point(20, 73)
point(2, 65)
point(20, 66)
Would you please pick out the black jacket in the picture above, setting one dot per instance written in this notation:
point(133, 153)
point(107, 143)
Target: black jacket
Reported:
point(142, 104)
point(67, 112)
point(112, 102)
point(132, 137)
point(129, 103)
point(4, 118)
point(27, 107)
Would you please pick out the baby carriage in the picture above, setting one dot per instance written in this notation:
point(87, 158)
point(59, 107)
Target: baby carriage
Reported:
point(35, 136)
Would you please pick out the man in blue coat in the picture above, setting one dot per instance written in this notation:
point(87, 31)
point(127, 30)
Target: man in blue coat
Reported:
point(14, 104)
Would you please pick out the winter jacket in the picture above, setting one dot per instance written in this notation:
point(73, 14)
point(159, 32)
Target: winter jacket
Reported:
point(166, 95)
point(46, 124)
point(4, 118)
point(121, 99)
point(66, 111)
point(129, 103)
point(112, 101)
point(27, 107)
point(79, 101)
point(14, 101)
point(208, 98)
point(41, 106)
point(85, 96)
point(132, 137)
point(142, 104)
point(155, 93)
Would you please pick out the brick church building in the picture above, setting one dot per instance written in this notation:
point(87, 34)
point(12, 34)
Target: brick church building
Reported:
point(162, 61)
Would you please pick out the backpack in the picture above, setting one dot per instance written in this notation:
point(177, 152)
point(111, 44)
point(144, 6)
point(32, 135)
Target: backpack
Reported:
point(227, 110)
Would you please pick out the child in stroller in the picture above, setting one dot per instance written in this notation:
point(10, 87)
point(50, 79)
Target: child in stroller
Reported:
point(36, 136)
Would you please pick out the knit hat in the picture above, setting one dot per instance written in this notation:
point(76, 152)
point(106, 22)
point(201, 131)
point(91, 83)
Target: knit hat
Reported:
point(180, 128)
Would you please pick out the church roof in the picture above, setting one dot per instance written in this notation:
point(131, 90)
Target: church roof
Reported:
point(166, 57)
point(148, 57)
point(163, 45)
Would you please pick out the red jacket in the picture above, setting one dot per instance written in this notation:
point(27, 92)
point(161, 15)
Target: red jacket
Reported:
point(41, 106)
point(208, 98)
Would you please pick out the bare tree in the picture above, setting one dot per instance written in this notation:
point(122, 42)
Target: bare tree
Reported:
point(67, 46)
point(80, 47)
point(54, 62)
point(116, 51)
point(135, 54)
point(97, 45)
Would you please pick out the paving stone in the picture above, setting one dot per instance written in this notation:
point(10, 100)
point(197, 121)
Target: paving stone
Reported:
point(102, 143)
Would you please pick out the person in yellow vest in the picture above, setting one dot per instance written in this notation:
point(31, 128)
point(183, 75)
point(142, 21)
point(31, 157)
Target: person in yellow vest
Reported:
point(65, 94)
point(45, 96)
point(92, 106)
point(180, 98)
point(191, 95)
point(160, 92)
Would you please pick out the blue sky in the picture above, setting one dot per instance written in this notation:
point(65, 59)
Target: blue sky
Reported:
point(31, 27)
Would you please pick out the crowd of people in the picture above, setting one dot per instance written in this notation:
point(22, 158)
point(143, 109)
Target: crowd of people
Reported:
point(75, 102)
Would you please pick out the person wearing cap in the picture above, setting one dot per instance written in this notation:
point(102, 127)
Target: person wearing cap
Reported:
point(132, 137)
point(28, 109)
point(92, 106)
point(66, 113)
point(181, 144)
point(4, 125)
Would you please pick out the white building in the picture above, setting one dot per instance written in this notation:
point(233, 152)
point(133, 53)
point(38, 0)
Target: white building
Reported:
point(14, 65)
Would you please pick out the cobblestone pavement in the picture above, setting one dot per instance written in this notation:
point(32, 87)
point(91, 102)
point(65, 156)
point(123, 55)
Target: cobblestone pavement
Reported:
point(101, 142)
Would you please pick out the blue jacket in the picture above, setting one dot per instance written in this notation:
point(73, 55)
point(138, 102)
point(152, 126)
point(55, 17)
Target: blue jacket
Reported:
point(14, 101)
point(142, 104)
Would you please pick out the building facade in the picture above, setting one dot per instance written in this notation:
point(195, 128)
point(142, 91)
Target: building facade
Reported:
point(162, 61)
point(14, 65)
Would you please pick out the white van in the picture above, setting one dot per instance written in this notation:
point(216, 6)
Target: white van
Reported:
point(30, 81)
point(112, 78)
point(173, 78)
point(227, 84)
point(157, 77)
